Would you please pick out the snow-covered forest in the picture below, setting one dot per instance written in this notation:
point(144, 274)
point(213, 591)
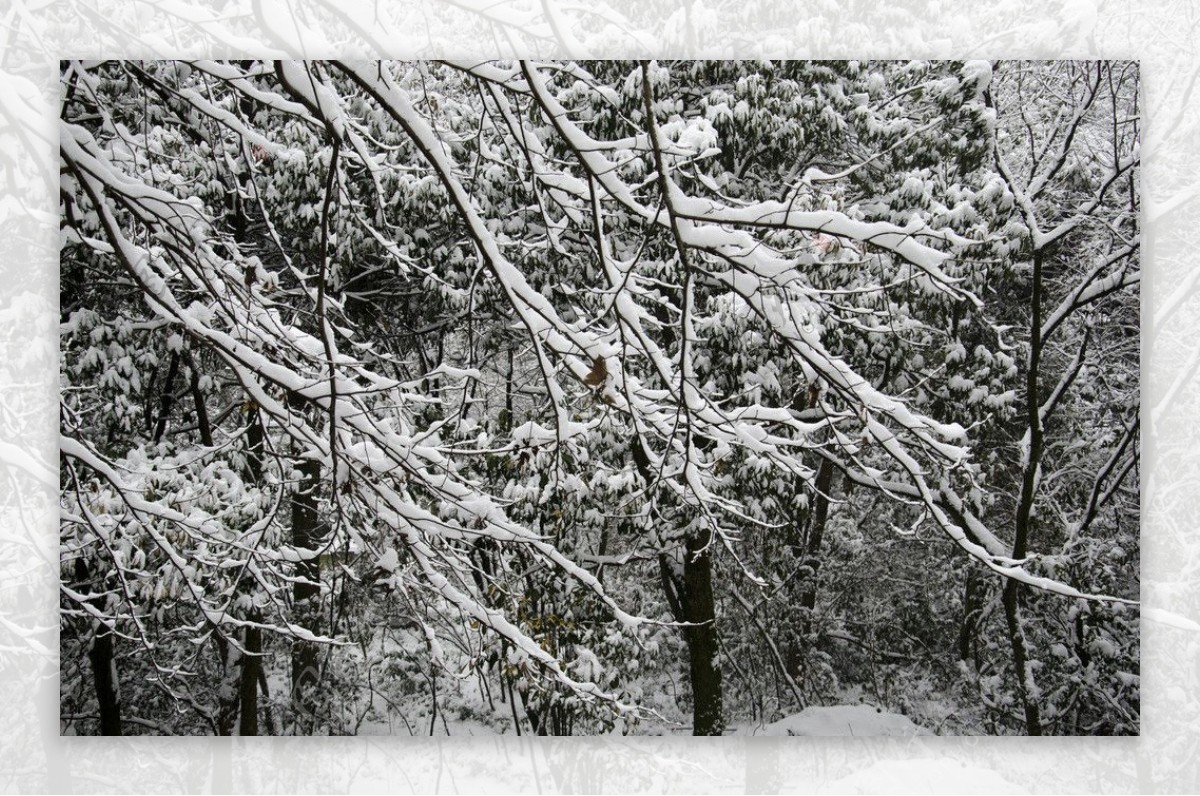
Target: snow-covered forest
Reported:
point(686, 397)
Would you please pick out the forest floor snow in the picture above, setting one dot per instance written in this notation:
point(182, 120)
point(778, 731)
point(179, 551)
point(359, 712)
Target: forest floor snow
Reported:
point(840, 720)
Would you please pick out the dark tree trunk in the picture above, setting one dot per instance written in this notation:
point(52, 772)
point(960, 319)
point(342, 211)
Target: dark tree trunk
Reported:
point(1012, 613)
point(306, 533)
point(1024, 523)
point(254, 444)
point(251, 671)
point(699, 610)
point(202, 421)
point(227, 692)
point(166, 399)
point(101, 657)
point(972, 607)
point(104, 671)
point(239, 687)
point(805, 537)
point(812, 543)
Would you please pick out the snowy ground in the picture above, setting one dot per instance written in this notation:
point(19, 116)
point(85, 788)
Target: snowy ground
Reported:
point(833, 721)
point(841, 720)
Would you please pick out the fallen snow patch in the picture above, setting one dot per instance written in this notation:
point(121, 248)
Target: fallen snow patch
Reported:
point(843, 720)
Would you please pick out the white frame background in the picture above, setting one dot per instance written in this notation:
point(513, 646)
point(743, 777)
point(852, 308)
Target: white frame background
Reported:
point(34, 34)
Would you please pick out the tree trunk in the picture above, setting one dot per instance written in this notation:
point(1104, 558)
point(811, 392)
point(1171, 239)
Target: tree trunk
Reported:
point(699, 610)
point(1024, 519)
point(806, 535)
point(227, 692)
point(202, 421)
point(251, 670)
point(812, 542)
point(1025, 684)
point(104, 669)
point(972, 606)
point(166, 399)
point(254, 444)
point(239, 688)
point(104, 672)
point(306, 534)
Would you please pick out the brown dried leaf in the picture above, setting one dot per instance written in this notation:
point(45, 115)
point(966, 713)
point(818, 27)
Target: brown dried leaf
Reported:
point(597, 374)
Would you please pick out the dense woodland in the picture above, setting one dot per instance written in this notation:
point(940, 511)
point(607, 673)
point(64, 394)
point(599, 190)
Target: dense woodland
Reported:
point(572, 398)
